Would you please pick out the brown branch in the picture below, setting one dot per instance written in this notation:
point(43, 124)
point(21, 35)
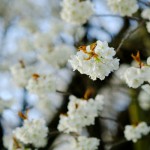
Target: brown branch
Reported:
point(128, 34)
point(117, 16)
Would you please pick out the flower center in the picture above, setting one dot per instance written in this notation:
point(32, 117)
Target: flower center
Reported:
point(92, 53)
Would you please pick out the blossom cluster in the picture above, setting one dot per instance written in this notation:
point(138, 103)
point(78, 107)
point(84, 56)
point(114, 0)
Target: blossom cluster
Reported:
point(21, 73)
point(41, 84)
point(134, 133)
point(95, 60)
point(32, 132)
point(136, 76)
point(123, 7)
point(76, 11)
point(146, 15)
point(57, 56)
point(80, 113)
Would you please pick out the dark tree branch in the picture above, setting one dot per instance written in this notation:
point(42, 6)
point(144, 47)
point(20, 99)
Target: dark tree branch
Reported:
point(128, 34)
point(117, 16)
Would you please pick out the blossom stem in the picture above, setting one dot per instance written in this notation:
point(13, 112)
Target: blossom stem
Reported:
point(54, 133)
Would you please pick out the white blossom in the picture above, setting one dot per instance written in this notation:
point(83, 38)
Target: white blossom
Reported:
point(148, 61)
point(146, 88)
point(57, 56)
point(21, 74)
point(146, 13)
point(84, 143)
point(43, 40)
point(134, 133)
point(80, 113)
point(46, 107)
point(148, 26)
point(144, 100)
point(41, 84)
point(67, 141)
point(135, 76)
point(61, 27)
point(26, 44)
point(29, 24)
point(76, 11)
point(8, 141)
point(119, 73)
point(123, 7)
point(32, 132)
point(144, 97)
point(97, 63)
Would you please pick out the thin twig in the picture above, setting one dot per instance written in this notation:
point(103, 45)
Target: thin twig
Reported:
point(62, 92)
point(118, 143)
point(145, 3)
point(107, 118)
point(117, 16)
point(127, 35)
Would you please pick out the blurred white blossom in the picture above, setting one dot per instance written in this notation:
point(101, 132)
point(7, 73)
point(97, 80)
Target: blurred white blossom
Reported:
point(10, 144)
point(58, 55)
point(66, 141)
point(84, 143)
point(123, 7)
point(41, 84)
point(43, 41)
point(60, 28)
point(121, 70)
point(32, 132)
point(144, 97)
point(46, 107)
point(146, 13)
point(146, 88)
point(76, 12)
